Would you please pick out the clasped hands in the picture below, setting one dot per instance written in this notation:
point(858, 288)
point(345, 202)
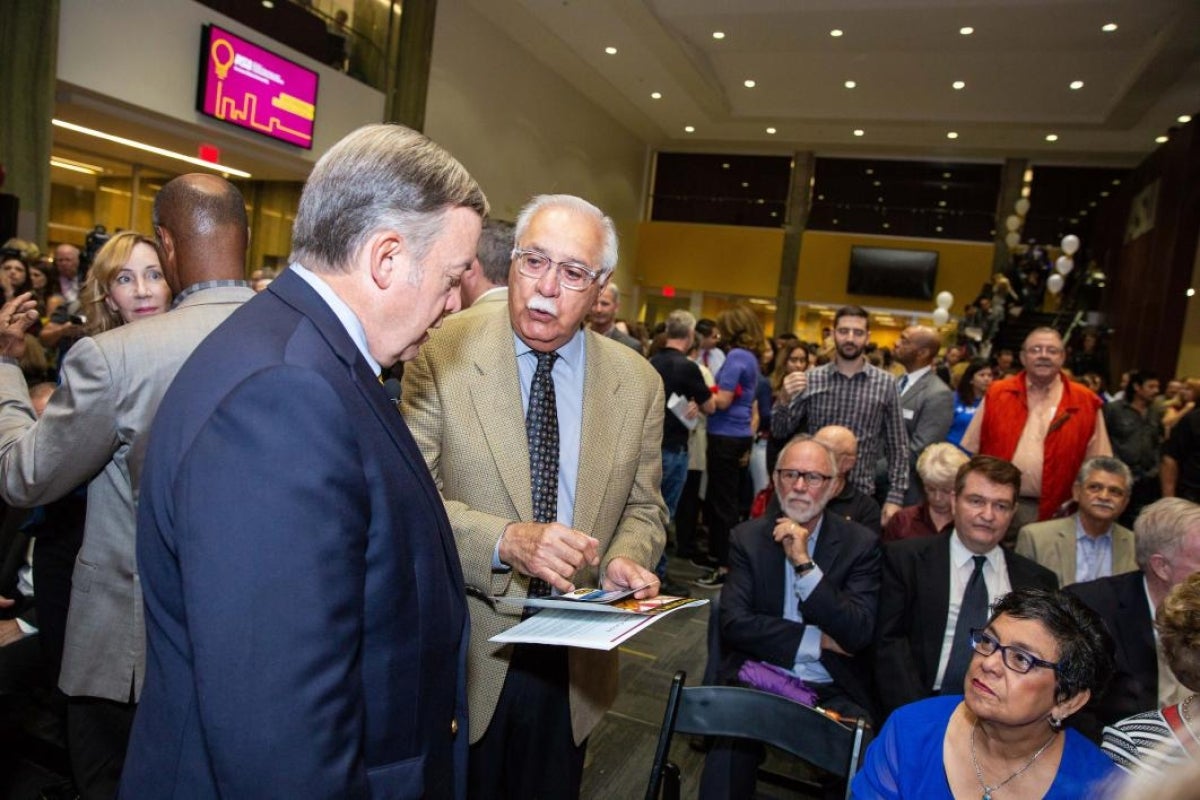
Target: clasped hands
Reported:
point(553, 552)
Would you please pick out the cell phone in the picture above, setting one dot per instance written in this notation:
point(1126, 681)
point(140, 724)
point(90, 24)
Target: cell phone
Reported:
point(77, 319)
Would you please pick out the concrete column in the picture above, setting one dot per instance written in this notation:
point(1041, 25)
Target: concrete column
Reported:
point(1011, 179)
point(29, 41)
point(408, 83)
point(796, 221)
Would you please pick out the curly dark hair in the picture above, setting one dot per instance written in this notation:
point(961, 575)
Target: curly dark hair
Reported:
point(1085, 647)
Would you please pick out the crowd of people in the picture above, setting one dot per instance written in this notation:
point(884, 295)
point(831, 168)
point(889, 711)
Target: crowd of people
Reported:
point(261, 534)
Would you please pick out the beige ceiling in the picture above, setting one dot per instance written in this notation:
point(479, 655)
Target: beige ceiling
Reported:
point(903, 54)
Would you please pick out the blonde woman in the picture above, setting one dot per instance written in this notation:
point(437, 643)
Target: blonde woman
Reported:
point(126, 283)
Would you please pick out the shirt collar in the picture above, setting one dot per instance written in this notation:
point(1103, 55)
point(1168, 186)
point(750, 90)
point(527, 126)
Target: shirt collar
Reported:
point(342, 311)
point(916, 375)
point(960, 556)
point(1080, 533)
point(571, 353)
point(202, 285)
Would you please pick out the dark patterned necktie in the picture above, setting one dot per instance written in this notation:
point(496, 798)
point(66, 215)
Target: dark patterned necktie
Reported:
point(541, 426)
point(972, 614)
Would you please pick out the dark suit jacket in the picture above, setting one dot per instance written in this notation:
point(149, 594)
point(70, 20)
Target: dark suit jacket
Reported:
point(306, 619)
point(913, 605)
point(1120, 600)
point(843, 605)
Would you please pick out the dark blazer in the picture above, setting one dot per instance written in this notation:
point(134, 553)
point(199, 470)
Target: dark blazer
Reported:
point(305, 610)
point(913, 604)
point(843, 605)
point(1120, 600)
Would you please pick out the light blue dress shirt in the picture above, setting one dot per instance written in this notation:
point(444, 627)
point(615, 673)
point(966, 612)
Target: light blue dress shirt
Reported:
point(808, 666)
point(1093, 555)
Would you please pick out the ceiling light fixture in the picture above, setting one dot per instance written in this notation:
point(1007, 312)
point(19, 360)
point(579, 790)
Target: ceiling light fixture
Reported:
point(850, 84)
point(1191, 292)
point(268, 4)
point(718, 34)
point(959, 85)
point(1076, 85)
point(966, 30)
point(1051, 137)
point(689, 129)
point(612, 51)
point(836, 32)
point(1184, 119)
point(952, 135)
point(1160, 139)
point(656, 95)
point(771, 131)
point(149, 148)
point(73, 166)
point(749, 84)
point(859, 132)
point(1109, 27)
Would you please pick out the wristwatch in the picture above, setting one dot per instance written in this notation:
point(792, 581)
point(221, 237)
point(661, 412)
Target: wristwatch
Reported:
point(805, 568)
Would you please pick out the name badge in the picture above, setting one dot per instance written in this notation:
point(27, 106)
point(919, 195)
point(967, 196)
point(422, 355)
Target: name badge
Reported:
point(908, 413)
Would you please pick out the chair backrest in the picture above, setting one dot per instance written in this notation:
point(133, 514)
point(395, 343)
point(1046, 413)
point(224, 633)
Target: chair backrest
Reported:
point(750, 714)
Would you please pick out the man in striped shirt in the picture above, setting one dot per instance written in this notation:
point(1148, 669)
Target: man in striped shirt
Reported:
point(850, 392)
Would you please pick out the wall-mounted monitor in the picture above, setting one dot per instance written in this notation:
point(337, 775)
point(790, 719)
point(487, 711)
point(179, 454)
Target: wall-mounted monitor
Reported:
point(887, 272)
point(252, 88)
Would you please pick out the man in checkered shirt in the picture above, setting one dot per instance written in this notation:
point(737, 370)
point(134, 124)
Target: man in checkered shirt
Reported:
point(848, 391)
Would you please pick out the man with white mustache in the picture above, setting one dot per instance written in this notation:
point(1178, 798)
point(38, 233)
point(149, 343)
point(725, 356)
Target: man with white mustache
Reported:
point(1044, 425)
point(1088, 544)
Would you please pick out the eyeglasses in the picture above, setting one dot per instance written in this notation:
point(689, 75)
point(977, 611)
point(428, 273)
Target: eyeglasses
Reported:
point(571, 274)
point(1014, 658)
point(813, 480)
point(1048, 349)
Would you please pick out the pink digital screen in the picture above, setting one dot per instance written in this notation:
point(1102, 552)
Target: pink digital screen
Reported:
point(245, 85)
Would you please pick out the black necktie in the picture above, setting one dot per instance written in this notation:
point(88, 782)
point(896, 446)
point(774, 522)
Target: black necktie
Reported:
point(972, 614)
point(541, 426)
point(903, 382)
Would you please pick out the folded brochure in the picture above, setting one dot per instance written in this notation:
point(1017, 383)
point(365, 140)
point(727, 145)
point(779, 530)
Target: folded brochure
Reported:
point(589, 618)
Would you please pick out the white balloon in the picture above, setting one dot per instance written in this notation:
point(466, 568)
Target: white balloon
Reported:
point(1054, 283)
point(1070, 244)
point(1064, 265)
point(1013, 222)
point(1012, 240)
point(940, 316)
point(1022, 206)
point(945, 300)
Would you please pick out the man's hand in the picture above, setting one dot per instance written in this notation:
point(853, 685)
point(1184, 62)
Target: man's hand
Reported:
point(887, 511)
point(6, 602)
point(692, 411)
point(793, 385)
point(10, 632)
point(793, 537)
point(550, 551)
point(622, 573)
point(827, 643)
point(15, 318)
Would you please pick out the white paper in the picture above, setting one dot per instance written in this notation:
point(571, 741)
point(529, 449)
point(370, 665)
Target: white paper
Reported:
point(575, 627)
point(678, 405)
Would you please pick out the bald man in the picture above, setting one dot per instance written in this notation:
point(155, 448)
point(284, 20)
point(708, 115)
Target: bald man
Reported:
point(848, 501)
point(926, 403)
point(94, 429)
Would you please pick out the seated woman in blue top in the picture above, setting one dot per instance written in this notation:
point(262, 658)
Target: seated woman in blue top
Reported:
point(1038, 660)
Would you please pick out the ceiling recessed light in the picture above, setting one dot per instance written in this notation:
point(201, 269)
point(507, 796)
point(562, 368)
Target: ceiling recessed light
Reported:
point(1160, 139)
point(850, 84)
point(879, 199)
point(749, 84)
point(1076, 85)
point(836, 32)
point(718, 34)
point(1091, 204)
point(859, 132)
point(879, 183)
point(1051, 137)
point(268, 4)
point(725, 165)
point(959, 84)
point(952, 135)
point(1191, 292)
point(1184, 119)
point(1104, 193)
point(1109, 27)
point(820, 197)
point(612, 51)
point(656, 95)
point(945, 174)
point(886, 225)
point(1116, 181)
point(942, 203)
point(745, 185)
point(939, 228)
point(771, 131)
point(966, 30)
point(870, 171)
point(689, 129)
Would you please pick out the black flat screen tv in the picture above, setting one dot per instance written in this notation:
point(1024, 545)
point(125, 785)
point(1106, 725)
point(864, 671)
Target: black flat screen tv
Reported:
point(887, 272)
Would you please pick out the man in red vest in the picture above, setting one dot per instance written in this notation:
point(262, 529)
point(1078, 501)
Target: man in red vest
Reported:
point(1043, 424)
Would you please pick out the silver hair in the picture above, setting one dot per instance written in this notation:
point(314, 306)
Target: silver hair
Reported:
point(1161, 526)
point(939, 463)
point(379, 177)
point(1113, 466)
point(680, 324)
point(608, 255)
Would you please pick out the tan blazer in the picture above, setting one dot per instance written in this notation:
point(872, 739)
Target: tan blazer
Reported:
point(489, 303)
point(462, 402)
point(1052, 544)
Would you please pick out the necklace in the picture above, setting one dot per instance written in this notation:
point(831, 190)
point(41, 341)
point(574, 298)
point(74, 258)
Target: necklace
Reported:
point(1185, 709)
point(987, 790)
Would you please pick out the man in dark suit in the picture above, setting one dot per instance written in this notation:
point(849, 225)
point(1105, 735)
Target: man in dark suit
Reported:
point(1167, 546)
point(306, 638)
point(926, 580)
point(925, 400)
point(801, 594)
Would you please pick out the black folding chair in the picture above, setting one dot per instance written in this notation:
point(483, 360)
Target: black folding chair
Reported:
point(742, 713)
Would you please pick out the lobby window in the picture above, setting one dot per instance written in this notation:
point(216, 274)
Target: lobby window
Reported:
point(721, 189)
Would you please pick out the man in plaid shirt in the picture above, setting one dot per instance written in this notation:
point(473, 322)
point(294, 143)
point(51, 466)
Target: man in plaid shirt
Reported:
point(848, 391)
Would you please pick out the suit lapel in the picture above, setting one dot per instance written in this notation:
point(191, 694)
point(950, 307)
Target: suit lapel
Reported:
point(496, 396)
point(603, 420)
point(937, 600)
point(1065, 544)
